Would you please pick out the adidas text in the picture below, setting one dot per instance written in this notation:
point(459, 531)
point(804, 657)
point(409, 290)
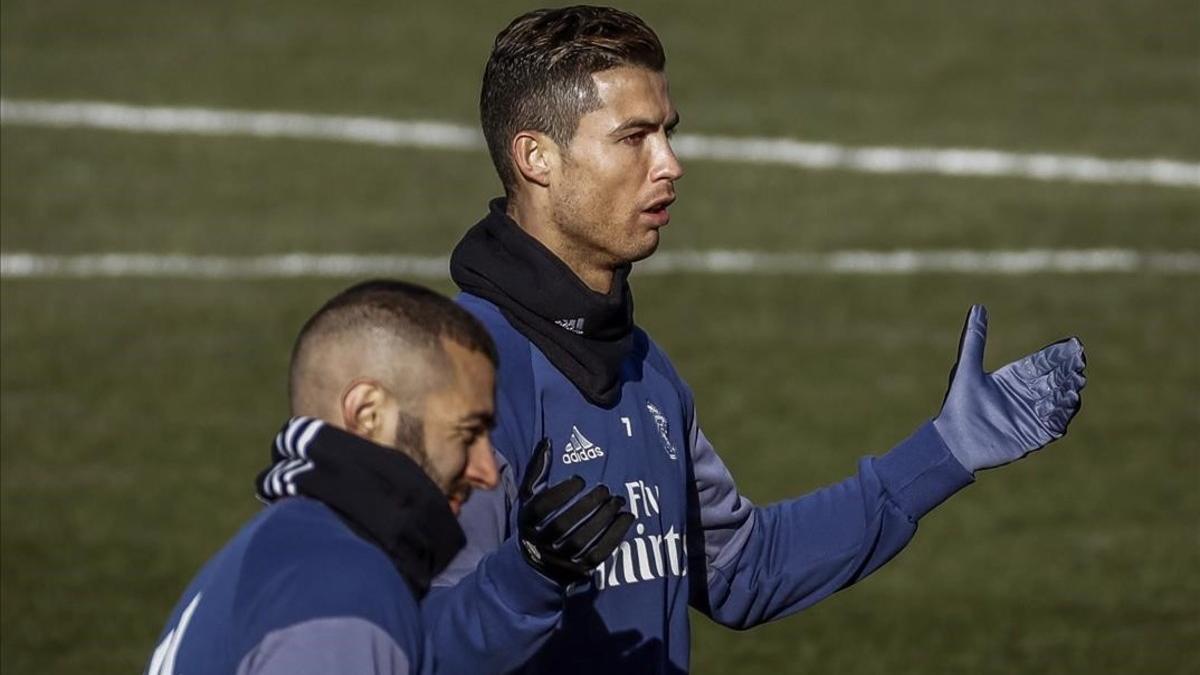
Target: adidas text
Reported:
point(580, 449)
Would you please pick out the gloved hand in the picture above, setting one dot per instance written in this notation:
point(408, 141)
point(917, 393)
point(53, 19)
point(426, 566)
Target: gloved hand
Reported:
point(991, 419)
point(565, 538)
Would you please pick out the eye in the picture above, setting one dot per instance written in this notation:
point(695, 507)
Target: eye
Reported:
point(634, 139)
point(472, 435)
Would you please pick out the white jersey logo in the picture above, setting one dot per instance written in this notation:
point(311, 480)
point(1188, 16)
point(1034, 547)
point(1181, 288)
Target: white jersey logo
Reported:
point(580, 449)
point(664, 431)
point(650, 553)
point(573, 325)
point(163, 660)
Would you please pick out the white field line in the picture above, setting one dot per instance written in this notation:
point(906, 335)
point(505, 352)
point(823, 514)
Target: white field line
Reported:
point(749, 150)
point(904, 262)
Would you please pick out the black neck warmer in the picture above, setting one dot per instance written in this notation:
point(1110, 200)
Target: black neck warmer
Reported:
point(585, 334)
point(379, 493)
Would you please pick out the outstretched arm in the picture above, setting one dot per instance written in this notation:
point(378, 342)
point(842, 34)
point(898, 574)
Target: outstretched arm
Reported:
point(766, 562)
point(763, 563)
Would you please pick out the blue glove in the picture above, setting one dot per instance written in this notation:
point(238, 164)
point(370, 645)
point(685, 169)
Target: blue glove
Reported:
point(991, 419)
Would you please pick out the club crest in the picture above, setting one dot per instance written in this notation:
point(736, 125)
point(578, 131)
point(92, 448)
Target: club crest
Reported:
point(664, 430)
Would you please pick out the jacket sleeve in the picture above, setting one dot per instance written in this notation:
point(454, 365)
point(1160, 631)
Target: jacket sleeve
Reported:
point(765, 562)
point(348, 645)
point(490, 611)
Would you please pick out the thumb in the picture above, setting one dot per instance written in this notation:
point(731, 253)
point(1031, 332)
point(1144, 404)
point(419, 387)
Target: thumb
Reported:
point(973, 340)
point(538, 469)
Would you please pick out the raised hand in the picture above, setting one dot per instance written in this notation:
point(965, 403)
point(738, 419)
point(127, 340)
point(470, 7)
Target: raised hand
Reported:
point(991, 419)
point(563, 535)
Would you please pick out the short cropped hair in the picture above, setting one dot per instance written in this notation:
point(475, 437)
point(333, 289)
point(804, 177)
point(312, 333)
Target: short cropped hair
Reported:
point(539, 75)
point(416, 315)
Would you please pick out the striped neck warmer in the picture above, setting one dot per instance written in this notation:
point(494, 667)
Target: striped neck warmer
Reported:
point(378, 492)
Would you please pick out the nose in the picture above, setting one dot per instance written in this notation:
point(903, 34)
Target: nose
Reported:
point(481, 465)
point(667, 166)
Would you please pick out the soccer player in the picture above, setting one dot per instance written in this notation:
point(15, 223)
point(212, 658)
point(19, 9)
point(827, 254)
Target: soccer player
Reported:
point(392, 388)
point(578, 118)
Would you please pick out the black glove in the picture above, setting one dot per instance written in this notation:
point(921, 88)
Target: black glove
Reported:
point(565, 538)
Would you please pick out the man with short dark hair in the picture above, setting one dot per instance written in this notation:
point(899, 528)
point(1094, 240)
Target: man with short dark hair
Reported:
point(578, 118)
point(391, 389)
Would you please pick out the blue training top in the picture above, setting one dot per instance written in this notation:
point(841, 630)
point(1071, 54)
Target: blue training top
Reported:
point(695, 539)
point(295, 592)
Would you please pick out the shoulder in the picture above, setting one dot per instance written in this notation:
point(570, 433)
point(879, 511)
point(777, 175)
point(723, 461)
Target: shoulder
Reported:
point(509, 341)
point(654, 358)
point(516, 351)
point(303, 563)
point(516, 384)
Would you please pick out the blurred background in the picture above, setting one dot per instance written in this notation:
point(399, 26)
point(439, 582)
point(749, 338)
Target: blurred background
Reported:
point(137, 407)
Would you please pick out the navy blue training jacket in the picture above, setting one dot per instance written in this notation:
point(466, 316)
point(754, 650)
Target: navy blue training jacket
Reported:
point(295, 592)
point(696, 541)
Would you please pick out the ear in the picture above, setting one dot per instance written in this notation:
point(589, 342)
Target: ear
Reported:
point(535, 155)
point(362, 408)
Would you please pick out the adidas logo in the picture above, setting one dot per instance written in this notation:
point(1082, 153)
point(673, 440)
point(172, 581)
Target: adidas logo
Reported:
point(580, 449)
point(573, 325)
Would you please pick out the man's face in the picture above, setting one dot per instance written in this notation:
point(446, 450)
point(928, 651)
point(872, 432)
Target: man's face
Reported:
point(455, 424)
point(611, 190)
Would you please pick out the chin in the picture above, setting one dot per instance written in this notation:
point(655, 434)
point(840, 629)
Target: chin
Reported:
point(646, 247)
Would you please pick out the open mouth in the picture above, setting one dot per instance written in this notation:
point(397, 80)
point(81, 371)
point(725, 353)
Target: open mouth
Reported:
point(660, 205)
point(458, 497)
point(657, 211)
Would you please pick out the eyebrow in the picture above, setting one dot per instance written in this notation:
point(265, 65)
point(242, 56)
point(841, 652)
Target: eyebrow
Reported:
point(645, 123)
point(477, 418)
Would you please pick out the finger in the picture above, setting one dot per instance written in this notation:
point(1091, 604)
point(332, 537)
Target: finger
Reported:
point(1065, 399)
point(536, 473)
point(570, 518)
point(1055, 356)
point(1060, 405)
point(1042, 385)
point(1063, 353)
point(547, 502)
point(590, 529)
point(1068, 400)
point(1064, 378)
point(1071, 351)
point(1066, 405)
point(607, 542)
point(974, 338)
point(1068, 377)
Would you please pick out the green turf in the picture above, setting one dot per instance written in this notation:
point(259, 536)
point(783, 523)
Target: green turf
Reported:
point(135, 412)
point(1116, 77)
point(81, 191)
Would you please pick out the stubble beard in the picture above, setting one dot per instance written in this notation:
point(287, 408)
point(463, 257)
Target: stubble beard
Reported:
point(410, 440)
point(589, 237)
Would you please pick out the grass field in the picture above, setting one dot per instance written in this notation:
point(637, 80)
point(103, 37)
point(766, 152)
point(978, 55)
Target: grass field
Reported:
point(135, 412)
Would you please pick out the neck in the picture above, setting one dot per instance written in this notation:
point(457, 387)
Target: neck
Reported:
point(537, 223)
